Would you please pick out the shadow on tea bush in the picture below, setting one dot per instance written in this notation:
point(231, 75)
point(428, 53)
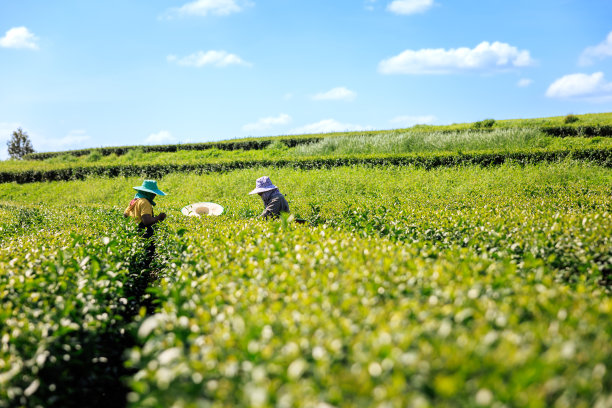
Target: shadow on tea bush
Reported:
point(85, 369)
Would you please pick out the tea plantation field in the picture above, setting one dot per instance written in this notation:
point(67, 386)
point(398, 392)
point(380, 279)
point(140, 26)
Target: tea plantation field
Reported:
point(454, 286)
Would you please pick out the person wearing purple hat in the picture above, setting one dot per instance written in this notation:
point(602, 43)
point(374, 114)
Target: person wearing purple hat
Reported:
point(274, 202)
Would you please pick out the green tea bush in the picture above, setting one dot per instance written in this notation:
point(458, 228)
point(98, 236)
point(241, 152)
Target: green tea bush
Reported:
point(229, 145)
point(389, 142)
point(578, 131)
point(411, 142)
point(133, 155)
point(570, 119)
point(94, 156)
point(427, 160)
point(453, 286)
point(277, 148)
point(63, 284)
point(62, 159)
point(484, 124)
point(263, 314)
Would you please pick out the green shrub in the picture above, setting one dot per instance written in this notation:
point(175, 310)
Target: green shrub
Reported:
point(571, 119)
point(62, 158)
point(133, 154)
point(94, 156)
point(484, 124)
point(277, 147)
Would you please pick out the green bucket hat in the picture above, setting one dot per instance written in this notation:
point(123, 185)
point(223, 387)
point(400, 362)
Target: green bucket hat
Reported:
point(150, 186)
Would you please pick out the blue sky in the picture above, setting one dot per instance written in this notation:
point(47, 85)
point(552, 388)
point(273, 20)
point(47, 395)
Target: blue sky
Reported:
point(77, 74)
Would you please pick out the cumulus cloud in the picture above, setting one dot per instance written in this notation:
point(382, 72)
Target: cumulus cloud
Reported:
point(524, 82)
point(267, 123)
point(369, 4)
point(19, 37)
point(203, 8)
point(592, 87)
point(160, 137)
point(599, 51)
point(408, 121)
point(74, 139)
point(484, 57)
point(406, 7)
point(336, 94)
point(200, 59)
point(328, 126)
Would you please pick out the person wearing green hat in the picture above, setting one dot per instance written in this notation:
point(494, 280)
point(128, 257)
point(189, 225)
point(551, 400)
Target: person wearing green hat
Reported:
point(141, 210)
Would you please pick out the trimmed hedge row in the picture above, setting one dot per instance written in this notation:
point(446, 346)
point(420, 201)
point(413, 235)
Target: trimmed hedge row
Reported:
point(258, 144)
point(600, 156)
point(582, 131)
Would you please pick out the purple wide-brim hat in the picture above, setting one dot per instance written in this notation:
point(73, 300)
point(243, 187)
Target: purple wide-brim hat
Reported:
point(263, 184)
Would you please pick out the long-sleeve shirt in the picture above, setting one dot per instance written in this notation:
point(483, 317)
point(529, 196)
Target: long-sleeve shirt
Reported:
point(139, 207)
point(275, 203)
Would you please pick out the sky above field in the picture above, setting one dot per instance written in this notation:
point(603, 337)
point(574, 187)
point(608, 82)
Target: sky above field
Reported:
point(78, 74)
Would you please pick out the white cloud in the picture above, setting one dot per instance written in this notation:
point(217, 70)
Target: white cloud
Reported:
point(160, 137)
point(524, 82)
point(336, 94)
point(581, 86)
point(19, 37)
point(7, 129)
point(328, 126)
point(369, 5)
point(199, 59)
point(74, 137)
point(203, 8)
point(484, 57)
point(409, 6)
point(599, 51)
point(408, 121)
point(73, 140)
point(267, 123)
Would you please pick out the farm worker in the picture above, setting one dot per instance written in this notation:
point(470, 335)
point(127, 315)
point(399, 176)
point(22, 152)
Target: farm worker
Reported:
point(274, 202)
point(141, 209)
